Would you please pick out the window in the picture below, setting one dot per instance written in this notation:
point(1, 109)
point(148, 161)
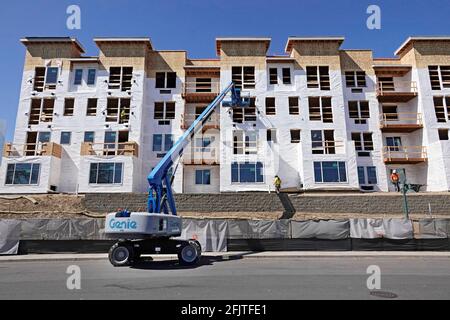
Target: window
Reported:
point(51, 78)
point(322, 142)
point(318, 77)
point(273, 76)
point(22, 174)
point(118, 110)
point(295, 136)
point(106, 173)
point(330, 172)
point(293, 106)
point(69, 105)
point(44, 137)
point(439, 77)
point(320, 109)
point(91, 77)
point(120, 78)
point(359, 110)
point(243, 77)
point(162, 143)
point(393, 143)
point(386, 84)
point(355, 79)
point(89, 136)
point(41, 110)
point(65, 137)
point(78, 76)
point(272, 135)
point(203, 177)
point(286, 72)
point(270, 106)
point(390, 112)
point(367, 175)
point(164, 111)
point(443, 134)
point(442, 108)
point(39, 79)
point(203, 85)
point(247, 172)
point(203, 144)
point(166, 80)
point(245, 114)
point(245, 142)
point(363, 141)
point(91, 109)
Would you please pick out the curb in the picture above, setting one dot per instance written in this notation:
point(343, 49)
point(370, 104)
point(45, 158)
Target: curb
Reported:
point(235, 255)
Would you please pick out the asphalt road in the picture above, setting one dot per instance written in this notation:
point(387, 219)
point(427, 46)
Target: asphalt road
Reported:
point(263, 278)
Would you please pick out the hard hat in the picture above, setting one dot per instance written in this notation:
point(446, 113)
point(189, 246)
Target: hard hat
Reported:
point(394, 171)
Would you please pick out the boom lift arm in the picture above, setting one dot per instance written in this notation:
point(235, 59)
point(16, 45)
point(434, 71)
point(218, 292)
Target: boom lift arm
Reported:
point(150, 232)
point(160, 198)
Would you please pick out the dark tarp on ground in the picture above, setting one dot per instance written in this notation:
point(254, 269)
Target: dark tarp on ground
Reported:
point(400, 245)
point(64, 246)
point(321, 229)
point(288, 245)
point(381, 228)
point(9, 236)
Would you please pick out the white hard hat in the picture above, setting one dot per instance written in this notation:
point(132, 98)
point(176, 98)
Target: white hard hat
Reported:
point(394, 171)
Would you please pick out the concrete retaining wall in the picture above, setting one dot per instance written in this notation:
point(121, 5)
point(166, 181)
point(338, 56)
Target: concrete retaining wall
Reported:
point(264, 202)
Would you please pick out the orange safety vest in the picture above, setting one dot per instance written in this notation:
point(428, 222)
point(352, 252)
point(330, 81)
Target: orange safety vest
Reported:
point(394, 177)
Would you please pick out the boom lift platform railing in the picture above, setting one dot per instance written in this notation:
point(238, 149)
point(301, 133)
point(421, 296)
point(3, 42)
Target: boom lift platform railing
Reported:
point(150, 232)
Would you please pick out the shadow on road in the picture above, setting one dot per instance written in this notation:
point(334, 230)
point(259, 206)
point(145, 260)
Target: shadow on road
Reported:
point(147, 263)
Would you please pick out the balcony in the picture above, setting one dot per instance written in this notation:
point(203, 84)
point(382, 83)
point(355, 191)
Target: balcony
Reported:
point(41, 149)
point(212, 123)
point(401, 122)
point(200, 91)
point(396, 91)
point(109, 149)
point(201, 156)
point(404, 154)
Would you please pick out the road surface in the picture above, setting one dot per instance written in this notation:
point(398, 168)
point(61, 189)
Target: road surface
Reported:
point(263, 278)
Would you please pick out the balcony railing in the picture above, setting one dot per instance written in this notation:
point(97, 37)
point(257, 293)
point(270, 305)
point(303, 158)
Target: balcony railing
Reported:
point(201, 155)
point(404, 154)
point(109, 149)
point(212, 123)
point(40, 149)
point(200, 91)
point(396, 91)
point(328, 147)
point(401, 122)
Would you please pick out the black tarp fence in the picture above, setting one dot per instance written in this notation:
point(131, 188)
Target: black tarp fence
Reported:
point(87, 235)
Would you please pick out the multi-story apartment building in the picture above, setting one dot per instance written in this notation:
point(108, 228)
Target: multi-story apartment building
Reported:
point(321, 117)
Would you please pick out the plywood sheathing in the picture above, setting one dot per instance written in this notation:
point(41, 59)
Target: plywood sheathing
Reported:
point(39, 53)
point(357, 60)
point(166, 61)
point(118, 54)
point(422, 52)
point(316, 53)
point(244, 53)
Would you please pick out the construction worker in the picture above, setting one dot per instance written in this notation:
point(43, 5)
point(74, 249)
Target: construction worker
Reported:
point(122, 116)
point(395, 179)
point(277, 183)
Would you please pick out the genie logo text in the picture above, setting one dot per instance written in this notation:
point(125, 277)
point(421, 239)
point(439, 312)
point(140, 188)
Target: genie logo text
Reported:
point(122, 224)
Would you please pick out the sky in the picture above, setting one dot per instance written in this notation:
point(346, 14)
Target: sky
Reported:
point(193, 25)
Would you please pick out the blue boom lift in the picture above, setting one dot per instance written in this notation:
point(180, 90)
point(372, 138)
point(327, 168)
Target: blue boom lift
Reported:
point(150, 232)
